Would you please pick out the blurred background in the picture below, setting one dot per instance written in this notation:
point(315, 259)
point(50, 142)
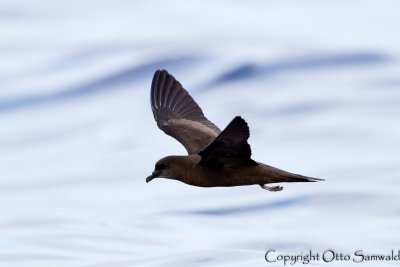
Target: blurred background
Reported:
point(317, 81)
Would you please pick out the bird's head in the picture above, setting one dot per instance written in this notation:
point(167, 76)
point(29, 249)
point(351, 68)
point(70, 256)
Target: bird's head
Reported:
point(168, 167)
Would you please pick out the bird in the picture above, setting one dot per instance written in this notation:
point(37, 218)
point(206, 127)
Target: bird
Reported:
point(215, 158)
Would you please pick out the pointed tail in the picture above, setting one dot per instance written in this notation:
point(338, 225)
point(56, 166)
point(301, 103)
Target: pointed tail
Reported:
point(288, 177)
point(293, 178)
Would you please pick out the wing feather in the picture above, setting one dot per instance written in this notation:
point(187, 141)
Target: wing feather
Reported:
point(230, 148)
point(178, 115)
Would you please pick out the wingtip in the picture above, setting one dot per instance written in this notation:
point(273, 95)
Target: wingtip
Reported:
point(239, 119)
point(156, 74)
point(160, 71)
point(237, 128)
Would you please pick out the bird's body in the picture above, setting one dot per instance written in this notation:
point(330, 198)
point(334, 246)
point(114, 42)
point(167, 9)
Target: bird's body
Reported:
point(215, 158)
point(189, 171)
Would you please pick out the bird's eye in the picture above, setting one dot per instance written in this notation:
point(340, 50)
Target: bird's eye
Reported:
point(161, 166)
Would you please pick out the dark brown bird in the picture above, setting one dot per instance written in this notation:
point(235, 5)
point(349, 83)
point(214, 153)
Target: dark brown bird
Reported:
point(215, 158)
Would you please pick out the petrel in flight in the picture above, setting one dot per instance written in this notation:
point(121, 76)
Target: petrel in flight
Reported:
point(215, 157)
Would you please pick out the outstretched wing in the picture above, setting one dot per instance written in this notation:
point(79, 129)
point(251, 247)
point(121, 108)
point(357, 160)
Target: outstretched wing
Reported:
point(178, 115)
point(230, 147)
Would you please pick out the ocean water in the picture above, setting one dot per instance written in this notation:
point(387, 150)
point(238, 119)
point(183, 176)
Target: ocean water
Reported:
point(317, 82)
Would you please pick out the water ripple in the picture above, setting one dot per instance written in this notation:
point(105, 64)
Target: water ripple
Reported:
point(110, 82)
point(250, 208)
point(250, 70)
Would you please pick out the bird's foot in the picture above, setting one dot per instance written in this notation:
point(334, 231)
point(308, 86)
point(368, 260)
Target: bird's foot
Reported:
point(271, 188)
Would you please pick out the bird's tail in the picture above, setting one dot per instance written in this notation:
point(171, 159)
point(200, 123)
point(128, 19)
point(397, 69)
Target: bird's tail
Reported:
point(294, 178)
point(288, 177)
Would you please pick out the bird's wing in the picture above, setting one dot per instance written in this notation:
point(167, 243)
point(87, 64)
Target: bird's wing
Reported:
point(178, 115)
point(229, 148)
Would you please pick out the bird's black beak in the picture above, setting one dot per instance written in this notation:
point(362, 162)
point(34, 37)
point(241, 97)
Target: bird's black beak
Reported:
point(152, 176)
